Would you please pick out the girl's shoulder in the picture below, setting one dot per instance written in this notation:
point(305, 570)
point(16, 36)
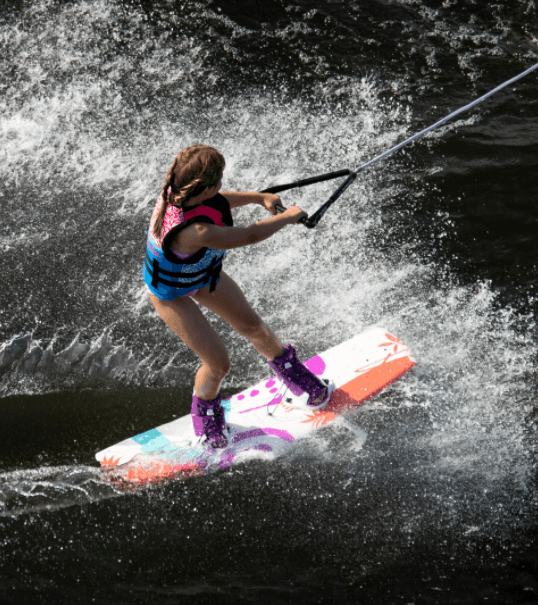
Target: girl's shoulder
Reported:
point(218, 203)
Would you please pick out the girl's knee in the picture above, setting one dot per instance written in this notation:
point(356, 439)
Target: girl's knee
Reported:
point(254, 329)
point(225, 367)
point(219, 368)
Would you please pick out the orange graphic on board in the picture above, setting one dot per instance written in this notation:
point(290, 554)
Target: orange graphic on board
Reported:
point(392, 341)
point(320, 418)
point(109, 461)
point(374, 380)
point(368, 383)
point(158, 471)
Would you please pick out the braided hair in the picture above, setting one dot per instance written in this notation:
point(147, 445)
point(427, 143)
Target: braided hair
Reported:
point(194, 170)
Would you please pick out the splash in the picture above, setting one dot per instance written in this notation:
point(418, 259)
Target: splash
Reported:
point(36, 490)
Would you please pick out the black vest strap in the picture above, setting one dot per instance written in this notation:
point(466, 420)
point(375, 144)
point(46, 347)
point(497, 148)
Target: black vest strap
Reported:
point(155, 274)
point(214, 271)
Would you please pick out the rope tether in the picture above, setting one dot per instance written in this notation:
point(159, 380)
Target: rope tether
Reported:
point(313, 220)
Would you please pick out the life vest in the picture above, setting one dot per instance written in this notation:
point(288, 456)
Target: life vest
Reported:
point(168, 274)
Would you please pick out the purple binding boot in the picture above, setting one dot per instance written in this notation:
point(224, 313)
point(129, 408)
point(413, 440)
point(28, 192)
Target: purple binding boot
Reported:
point(208, 421)
point(299, 379)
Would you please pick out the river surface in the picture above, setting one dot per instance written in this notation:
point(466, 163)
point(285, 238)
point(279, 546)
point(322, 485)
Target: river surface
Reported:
point(438, 244)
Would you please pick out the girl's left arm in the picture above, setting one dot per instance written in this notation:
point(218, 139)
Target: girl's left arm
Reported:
point(242, 198)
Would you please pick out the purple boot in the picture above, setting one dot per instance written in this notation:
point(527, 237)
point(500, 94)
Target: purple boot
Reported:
point(299, 379)
point(208, 421)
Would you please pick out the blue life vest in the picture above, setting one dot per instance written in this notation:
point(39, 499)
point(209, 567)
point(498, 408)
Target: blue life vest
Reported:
point(165, 273)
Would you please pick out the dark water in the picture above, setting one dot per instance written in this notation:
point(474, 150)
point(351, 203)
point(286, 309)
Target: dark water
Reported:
point(427, 494)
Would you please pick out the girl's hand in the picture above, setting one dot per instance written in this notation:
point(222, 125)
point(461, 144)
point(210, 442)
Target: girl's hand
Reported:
point(295, 213)
point(269, 201)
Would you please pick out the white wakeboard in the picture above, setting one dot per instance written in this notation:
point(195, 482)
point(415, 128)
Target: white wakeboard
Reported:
point(264, 419)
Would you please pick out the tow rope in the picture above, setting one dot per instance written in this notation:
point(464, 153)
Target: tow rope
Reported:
point(313, 220)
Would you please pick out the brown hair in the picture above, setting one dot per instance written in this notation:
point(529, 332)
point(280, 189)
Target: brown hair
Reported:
point(194, 170)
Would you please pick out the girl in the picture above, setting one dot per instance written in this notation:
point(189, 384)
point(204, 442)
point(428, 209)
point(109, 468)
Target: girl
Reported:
point(190, 230)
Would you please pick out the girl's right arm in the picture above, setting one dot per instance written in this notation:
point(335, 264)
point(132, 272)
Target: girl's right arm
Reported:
point(202, 235)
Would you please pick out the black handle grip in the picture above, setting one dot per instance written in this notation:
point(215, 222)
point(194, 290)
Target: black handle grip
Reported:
point(304, 221)
point(311, 221)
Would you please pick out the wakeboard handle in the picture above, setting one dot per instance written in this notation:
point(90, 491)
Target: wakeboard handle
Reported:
point(311, 221)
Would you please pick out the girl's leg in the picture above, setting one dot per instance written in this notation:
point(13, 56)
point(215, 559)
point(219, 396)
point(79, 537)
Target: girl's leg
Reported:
point(229, 302)
point(183, 317)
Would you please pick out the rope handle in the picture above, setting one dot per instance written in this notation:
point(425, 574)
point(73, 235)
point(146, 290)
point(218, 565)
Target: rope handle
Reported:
point(311, 221)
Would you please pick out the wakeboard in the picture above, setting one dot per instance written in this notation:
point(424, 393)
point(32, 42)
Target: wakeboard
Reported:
point(264, 420)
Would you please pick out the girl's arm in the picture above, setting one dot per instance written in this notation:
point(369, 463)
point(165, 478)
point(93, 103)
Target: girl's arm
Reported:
point(242, 198)
point(202, 235)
